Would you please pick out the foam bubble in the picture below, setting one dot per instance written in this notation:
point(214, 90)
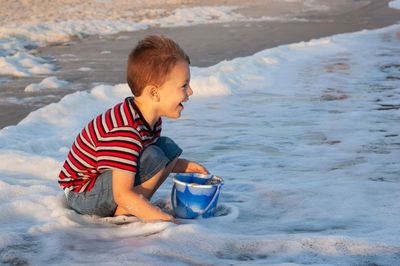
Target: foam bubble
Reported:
point(394, 4)
point(46, 84)
point(22, 64)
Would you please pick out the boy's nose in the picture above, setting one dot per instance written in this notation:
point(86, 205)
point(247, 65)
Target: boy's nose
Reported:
point(189, 91)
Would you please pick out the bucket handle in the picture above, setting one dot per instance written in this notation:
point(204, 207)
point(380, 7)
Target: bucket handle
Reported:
point(216, 193)
point(173, 197)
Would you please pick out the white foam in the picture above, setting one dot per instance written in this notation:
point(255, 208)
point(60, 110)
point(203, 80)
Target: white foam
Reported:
point(304, 135)
point(86, 69)
point(394, 4)
point(22, 64)
point(208, 85)
point(46, 84)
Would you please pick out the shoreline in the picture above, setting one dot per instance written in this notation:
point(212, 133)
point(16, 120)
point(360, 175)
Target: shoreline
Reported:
point(206, 44)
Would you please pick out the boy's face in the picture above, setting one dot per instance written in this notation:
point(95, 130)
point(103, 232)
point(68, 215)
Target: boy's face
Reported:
point(175, 90)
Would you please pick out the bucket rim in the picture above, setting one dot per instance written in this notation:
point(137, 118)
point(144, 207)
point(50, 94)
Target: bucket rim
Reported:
point(200, 176)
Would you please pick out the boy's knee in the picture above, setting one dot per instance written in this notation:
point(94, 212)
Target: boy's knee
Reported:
point(151, 152)
point(165, 141)
point(169, 147)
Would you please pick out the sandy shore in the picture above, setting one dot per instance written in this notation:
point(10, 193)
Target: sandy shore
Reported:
point(206, 44)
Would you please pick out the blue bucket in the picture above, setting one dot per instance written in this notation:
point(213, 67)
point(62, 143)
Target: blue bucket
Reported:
point(191, 197)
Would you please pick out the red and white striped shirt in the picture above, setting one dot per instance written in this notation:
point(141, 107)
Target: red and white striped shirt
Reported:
point(113, 140)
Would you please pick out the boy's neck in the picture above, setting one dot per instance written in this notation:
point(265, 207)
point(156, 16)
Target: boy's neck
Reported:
point(147, 111)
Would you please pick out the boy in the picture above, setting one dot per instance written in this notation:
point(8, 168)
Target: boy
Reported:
point(119, 159)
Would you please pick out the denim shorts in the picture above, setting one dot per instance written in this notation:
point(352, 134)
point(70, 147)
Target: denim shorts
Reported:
point(100, 199)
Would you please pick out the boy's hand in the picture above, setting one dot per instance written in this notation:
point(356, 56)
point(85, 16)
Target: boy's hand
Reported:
point(194, 167)
point(168, 218)
point(175, 221)
point(186, 166)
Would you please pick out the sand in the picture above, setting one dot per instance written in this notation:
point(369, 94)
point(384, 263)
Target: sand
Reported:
point(104, 57)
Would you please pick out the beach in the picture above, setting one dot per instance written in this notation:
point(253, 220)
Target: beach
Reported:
point(295, 105)
point(101, 59)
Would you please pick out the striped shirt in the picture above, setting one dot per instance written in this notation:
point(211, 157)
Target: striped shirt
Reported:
point(113, 140)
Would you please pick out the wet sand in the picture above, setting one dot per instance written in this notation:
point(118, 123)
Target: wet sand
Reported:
point(104, 57)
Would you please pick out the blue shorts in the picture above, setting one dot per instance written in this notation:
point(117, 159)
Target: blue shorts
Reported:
point(100, 199)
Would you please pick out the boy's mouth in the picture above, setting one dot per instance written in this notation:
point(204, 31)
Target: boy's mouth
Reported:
point(181, 103)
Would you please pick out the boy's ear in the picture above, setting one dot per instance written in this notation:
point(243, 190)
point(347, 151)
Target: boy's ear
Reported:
point(152, 92)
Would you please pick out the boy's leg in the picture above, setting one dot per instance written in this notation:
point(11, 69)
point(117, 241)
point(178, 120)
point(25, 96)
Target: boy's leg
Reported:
point(149, 187)
point(155, 164)
point(98, 201)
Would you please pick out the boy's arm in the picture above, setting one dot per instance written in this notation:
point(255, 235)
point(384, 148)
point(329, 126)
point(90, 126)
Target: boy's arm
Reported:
point(186, 166)
point(132, 202)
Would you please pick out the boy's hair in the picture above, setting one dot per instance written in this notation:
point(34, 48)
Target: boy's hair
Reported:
point(150, 62)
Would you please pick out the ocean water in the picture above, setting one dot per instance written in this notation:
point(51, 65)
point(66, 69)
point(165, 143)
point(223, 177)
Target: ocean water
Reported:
point(19, 59)
point(306, 137)
point(17, 41)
